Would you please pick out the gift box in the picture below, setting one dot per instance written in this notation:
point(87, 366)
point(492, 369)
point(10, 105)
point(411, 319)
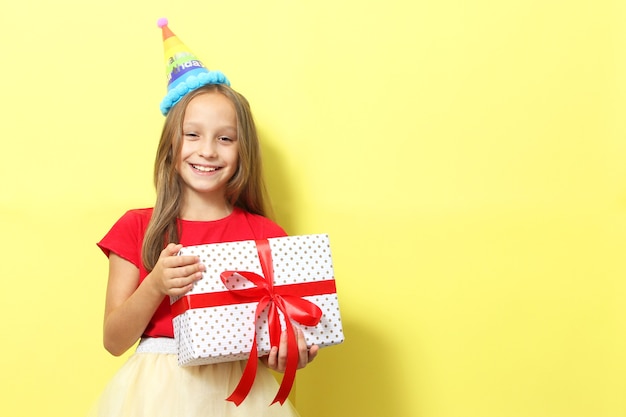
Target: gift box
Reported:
point(245, 287)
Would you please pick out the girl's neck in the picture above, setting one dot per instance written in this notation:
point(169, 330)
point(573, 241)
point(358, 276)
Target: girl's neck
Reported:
point(204, 209)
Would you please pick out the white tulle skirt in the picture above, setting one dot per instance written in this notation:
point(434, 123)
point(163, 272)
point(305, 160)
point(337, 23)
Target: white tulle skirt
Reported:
point(152, 384)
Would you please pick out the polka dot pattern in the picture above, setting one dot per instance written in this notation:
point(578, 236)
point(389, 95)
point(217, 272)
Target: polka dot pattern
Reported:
point(225, 333)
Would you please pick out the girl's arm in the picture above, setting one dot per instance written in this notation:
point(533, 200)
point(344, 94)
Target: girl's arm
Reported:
point(130, 305)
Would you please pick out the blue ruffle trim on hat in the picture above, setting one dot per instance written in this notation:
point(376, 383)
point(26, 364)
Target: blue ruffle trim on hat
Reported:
point(189, 84)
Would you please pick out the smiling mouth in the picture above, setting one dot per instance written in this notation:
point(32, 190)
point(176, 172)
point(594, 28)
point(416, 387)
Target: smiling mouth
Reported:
point(204, 169)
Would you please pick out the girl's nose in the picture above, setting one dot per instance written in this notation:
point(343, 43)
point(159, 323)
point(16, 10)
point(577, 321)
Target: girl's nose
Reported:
point(207, 148)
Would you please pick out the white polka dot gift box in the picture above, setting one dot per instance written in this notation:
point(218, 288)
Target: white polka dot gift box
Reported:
point(215, 321)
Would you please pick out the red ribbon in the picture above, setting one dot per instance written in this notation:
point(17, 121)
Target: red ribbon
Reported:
point(284, 298)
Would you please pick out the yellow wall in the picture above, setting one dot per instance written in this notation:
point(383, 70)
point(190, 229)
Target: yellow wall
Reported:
point(466, 158)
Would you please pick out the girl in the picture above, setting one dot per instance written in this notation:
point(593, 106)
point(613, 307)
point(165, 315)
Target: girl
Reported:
point(209, 189)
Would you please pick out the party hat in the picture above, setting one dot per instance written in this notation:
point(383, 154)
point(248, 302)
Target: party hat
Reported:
point(184, 71)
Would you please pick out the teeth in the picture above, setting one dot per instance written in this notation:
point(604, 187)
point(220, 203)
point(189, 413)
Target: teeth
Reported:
point(204, 169)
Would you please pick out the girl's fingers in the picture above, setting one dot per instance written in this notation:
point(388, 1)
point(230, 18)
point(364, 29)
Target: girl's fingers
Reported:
point(313, 352)
point(183, 282)
point(175, 292)
point(277, 357)
point(186, 271)
point(171, 249)
point(304, 353)
point(271, 360)
point(177, 274)
point(282, 352)
point(170, 259)
point(178, 261)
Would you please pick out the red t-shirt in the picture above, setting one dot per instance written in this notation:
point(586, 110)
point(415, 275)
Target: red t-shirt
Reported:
point(126, 238)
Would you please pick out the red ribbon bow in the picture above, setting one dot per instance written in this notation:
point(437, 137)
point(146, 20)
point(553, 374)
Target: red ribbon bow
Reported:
point(293, 308)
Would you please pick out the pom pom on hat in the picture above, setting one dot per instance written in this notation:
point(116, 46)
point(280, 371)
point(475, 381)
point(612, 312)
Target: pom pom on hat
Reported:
point(183, 70)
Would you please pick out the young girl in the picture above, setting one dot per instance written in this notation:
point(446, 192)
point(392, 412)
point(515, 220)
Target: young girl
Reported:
point(209, 190)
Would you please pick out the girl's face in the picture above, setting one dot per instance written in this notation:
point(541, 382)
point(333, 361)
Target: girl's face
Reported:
point(210, 149)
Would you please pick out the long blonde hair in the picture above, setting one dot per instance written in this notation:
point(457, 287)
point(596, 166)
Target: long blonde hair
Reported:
point(246, 189)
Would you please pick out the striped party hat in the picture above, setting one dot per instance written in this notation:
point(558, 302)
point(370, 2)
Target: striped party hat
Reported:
point(184, 71)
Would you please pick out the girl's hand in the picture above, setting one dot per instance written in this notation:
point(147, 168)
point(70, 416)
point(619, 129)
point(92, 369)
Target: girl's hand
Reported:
point(277, 358)
point(175, 275)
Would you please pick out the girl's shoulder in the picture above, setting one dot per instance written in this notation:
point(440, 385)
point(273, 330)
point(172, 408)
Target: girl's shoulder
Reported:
point(126, 236)
point(139, 214)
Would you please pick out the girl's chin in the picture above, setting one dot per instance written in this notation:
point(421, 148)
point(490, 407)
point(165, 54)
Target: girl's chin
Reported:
point(205, 192)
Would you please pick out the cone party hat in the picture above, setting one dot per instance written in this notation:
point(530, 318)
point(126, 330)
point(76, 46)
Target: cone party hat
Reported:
point(184, 71)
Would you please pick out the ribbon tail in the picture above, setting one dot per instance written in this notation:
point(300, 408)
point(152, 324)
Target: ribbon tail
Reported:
point(249, 373)
point(273, 325)
point(247, 379)
point(292, 365)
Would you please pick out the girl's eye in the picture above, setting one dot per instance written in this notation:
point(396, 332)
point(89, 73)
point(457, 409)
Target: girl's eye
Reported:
point(191, 135)
point(224, 139)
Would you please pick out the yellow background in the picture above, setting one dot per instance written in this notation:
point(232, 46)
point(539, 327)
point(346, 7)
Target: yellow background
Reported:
point(466, 158)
